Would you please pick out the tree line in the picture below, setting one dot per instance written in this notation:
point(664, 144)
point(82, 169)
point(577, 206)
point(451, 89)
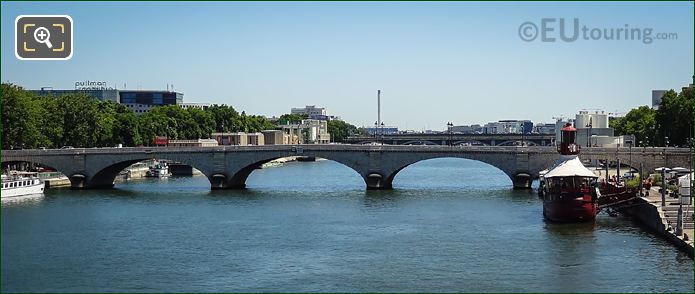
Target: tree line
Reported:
point(79, 120)
point(671, 124)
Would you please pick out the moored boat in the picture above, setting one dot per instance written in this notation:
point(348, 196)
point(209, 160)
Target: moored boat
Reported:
point(160, 169)
point(569, 188)
point(20, 185)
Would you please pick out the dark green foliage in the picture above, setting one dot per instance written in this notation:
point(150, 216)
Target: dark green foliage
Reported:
point(673, 119)
point(340, 130)
point(291, 118)
point(31, 121)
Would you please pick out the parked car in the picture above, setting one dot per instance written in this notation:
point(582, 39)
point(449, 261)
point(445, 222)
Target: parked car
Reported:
point(67, 147)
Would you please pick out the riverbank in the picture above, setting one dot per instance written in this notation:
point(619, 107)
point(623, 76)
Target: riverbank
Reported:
point(662, 219)
point(54, 179)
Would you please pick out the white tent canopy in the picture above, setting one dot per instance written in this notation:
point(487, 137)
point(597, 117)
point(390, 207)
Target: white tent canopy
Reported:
point(569, 166)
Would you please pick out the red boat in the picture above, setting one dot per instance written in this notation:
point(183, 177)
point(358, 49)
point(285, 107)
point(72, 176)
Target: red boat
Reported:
point(569, 189)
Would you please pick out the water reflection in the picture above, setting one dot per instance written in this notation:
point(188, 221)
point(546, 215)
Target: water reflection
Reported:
point(26, 200)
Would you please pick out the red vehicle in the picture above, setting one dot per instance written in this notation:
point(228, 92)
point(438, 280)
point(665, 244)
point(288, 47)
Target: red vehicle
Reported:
point(160, 141)
point(569, 193)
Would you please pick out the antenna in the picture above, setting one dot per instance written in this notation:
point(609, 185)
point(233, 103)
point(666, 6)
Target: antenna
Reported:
point(378, 108)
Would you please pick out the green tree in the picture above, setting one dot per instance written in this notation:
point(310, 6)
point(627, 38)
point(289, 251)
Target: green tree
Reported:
point(20, 118)
point(125, 128)
point(639, 122)
point(340, 130)
point(674, 118)
point(225, 118)
point(51, 123)
point(291, 118)
point(204, 121)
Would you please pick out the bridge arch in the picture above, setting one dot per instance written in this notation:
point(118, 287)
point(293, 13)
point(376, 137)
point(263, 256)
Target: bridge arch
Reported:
point(239, 174)
point(105, 175)
point(74, 175)
point(513, 143)
point(471, 142)
point(449, 171)
point(419, 142)
point(520, 175)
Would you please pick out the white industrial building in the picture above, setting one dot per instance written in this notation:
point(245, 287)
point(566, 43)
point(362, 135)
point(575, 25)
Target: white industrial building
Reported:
point(592, 129)
point(308, 131)
point(313, 112)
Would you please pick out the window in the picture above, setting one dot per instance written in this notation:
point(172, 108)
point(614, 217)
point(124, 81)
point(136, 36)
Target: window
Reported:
point(157, 99)
point(127, 97)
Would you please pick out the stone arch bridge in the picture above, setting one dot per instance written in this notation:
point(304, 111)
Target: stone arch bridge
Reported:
point(228, 167)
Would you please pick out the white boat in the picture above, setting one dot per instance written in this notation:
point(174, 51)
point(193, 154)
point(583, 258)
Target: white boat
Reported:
point(17, 186)
point(159, 170)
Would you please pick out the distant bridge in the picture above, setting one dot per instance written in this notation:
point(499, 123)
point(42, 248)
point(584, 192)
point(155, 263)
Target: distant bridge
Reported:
point(457, 139)
point(228, 167)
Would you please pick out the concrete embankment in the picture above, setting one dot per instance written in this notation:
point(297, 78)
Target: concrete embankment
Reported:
point(661, 219)
point(54, 179)
point(134, 171)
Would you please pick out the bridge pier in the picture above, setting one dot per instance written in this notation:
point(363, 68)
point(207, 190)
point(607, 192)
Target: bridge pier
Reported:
point(522, 181)
point(78, 181)
point(375, 181)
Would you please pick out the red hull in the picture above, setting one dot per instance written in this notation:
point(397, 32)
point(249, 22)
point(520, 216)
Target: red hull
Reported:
point(570, 211)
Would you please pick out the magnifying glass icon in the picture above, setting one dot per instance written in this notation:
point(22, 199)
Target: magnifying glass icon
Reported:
point(43, 35)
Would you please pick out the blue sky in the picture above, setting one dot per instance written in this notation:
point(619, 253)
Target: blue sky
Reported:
point(434, 62)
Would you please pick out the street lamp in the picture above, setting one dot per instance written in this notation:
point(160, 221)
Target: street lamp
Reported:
point(630, 152)
point(376, 133)
point(588, 135)
point(679, 220)
point(381, 135)
point(448, 129)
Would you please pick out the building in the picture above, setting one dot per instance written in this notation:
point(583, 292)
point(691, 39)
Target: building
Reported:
point(657, 95)
point(100, 94)
point(308, 131)
point(522, 126)
point(256, 139)
point(508, 127)
point(592, 129)
point(238, 138)
point(202, 106)
point(193, 143)
point(313, 112)
point(138, 101)
point(544, 128)
point(383, 130)
point(656, 98)
point(142, 101)
point(275, 137)
point(309, 110)
point(465, 129)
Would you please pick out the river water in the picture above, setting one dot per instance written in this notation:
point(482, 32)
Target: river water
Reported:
point(449, 225)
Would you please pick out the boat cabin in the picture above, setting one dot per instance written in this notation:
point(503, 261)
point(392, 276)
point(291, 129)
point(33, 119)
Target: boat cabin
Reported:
point(568, 145)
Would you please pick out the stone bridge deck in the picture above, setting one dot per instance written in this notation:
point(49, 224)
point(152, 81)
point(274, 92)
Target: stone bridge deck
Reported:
point(230, 166)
